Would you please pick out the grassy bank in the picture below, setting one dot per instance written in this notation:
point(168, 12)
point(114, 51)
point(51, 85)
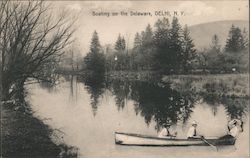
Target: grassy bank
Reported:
point(134, 75)
point(24, 136)
point(230, 85)
point(220, 85)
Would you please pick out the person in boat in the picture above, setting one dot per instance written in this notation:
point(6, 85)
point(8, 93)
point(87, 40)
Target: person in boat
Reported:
point(232, 123)
point(165, 131)
point(192, 132)
point(234, 128)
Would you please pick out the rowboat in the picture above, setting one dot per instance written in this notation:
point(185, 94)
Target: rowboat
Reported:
point(145, 140)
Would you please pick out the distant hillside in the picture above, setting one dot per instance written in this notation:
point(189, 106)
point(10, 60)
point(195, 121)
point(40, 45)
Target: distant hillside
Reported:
point(202, 33)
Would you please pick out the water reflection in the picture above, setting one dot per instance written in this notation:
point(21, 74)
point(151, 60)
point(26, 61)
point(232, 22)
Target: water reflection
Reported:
point(153, 102)
point(95, 85)
point(157, 102)
point(236, 108)
point(116, 106)
point(121, 90)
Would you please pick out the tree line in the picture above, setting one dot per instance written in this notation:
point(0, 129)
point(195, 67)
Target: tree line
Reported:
point(234, 57)
point(169, 49)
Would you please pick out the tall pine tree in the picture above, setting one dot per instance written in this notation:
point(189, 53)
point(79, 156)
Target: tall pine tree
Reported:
point(245, 36)
point(175, 47)
point(137, 41)
point(147, 50)
point(188, 51)
point(121, 56)
point(161, 44)
point(235, 41)
point(120, 44)
point(95, 60)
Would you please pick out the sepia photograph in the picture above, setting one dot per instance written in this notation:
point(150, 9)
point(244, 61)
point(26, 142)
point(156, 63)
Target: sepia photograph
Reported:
point(124, 79)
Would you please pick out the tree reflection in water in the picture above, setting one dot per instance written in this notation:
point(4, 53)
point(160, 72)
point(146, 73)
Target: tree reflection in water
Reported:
point(158, 102)
point(121, 90)
point(95, 86)
point(152, 101)
point(236, 107)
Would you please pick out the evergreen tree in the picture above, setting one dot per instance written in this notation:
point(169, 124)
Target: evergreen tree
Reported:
point(121, 56)
point(123, 44)
point(146, 48)
point(235, 41)
point(188, 51)
point(147, 37)
point(120, 44)
point(136, 50)
point(175, 46)
point(214, 57)
point(215, 44)
point(95, 60)
point(245, 36)
point(161, 43)
point(137, 41)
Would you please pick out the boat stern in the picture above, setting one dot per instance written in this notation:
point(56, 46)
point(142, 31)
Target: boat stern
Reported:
point(117, 140)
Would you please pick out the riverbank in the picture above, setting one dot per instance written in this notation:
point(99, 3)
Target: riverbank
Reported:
point(134, 75)
point(25, 136)
point(222, 85)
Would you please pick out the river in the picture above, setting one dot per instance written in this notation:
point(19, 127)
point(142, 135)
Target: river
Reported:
point(88, 112)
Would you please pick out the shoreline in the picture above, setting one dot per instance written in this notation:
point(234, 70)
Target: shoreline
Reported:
point(24, 135)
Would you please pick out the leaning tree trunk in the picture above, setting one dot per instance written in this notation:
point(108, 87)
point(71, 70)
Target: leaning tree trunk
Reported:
point(5, 87)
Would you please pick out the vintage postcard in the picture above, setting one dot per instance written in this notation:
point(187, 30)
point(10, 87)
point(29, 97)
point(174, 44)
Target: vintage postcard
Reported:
point(120, 79)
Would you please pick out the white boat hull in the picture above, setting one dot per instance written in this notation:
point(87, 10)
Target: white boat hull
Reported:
point(142, 140)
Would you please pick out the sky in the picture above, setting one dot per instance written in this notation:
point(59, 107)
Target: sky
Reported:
point(108, 28)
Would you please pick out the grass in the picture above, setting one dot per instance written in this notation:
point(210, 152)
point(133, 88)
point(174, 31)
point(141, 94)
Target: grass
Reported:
point(230, 85)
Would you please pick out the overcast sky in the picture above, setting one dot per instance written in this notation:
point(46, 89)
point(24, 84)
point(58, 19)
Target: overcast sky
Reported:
point(108, 28)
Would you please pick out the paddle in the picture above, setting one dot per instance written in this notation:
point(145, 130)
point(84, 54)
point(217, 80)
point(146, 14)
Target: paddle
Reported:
point(213, 146)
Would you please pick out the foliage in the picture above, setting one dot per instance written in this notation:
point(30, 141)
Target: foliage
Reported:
point(31, 44)
point(233, 59)
point(95, 59)
point(188, 56)
point(235, 41)
point(121, 56)
point(169, 49)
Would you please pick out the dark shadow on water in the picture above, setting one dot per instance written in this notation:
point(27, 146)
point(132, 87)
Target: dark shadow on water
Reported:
point(153, 101)
point(95, 85)
point(236, 108)
point(158, 102)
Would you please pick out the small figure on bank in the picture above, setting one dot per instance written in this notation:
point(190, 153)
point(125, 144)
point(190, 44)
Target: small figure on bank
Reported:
point(192, 132)
point(165, 131)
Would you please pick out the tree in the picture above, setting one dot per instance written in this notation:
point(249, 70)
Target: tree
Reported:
point(215, 44)
point(120, 44)
point(235, 41)
point(147, 37)
point(188, 51)
point(95, 60)
point(175, 46)
point(161, 42)
point(137, 41)
point(146, 48)
point(31, 43)
point(121, 56)
point(136, 50)
point(236, 53)
point(245, 36)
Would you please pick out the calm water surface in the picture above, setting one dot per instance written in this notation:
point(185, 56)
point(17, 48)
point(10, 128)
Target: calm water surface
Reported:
point(90, 111)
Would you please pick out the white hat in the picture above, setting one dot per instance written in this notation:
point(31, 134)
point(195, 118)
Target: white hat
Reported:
point(194, 123)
